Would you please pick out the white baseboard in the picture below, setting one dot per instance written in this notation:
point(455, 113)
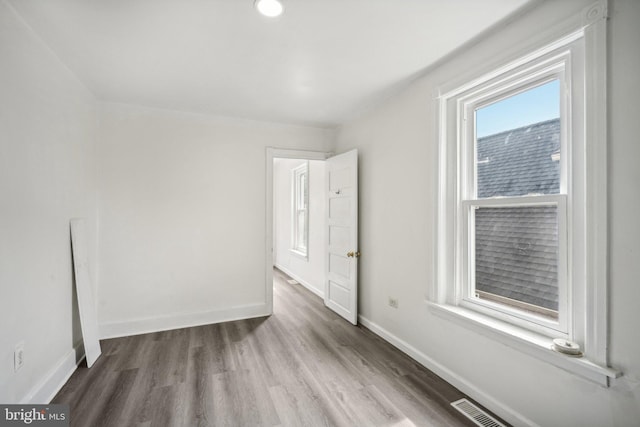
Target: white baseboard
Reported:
point(181, 320)
point(44, 391)
point(508, 414)
point(301, 281)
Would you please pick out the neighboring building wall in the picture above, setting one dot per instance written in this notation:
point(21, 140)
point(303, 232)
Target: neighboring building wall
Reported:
point(47, 177)
point(182, 216)
point(310, 272)
point(398, 184)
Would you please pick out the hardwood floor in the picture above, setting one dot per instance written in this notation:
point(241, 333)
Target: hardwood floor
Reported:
point(303, 366)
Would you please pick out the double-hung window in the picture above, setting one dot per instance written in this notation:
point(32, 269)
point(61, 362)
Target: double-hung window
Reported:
point(513, 191)
point(521, 252)
point(300, 213)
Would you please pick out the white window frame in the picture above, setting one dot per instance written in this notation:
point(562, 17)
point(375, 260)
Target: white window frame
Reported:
point(578, 60)
point(554, 65)
point(298, 207)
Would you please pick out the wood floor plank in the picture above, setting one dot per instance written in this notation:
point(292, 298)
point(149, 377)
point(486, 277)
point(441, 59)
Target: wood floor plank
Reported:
point(302, 366)
point(241, 399)
point(297, 407)
point(117, 399)
point(163, 402)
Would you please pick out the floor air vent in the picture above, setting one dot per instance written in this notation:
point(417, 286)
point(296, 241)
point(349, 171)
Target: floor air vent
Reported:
point(476, 414)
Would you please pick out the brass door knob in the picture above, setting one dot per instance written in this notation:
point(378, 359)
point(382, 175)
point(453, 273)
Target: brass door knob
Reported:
point(353, 254)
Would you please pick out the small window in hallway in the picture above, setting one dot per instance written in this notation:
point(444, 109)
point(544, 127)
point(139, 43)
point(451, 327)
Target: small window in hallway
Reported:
point(300, 203)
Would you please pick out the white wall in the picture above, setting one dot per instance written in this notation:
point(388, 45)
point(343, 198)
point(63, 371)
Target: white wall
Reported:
point(397, 144)
point(47, 177)
point(182, 216)
point(309, 272)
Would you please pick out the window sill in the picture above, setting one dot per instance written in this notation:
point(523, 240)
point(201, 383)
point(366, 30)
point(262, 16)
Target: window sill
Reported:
point(526, 341)
point(299, 254)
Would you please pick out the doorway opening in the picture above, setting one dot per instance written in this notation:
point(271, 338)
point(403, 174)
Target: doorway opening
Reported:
point(312, 225)
point(299, 223)
point(280, 156)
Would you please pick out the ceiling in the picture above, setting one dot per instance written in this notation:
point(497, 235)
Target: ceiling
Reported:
point(322, 62)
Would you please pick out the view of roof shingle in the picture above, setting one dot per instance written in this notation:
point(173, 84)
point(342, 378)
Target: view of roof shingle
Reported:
point(517, 247)
point(519, 161)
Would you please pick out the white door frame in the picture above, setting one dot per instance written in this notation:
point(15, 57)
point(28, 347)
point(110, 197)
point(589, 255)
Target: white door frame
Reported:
point(278, 153)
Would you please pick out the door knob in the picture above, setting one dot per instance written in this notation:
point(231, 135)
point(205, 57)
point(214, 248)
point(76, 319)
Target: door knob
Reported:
point(353, 254)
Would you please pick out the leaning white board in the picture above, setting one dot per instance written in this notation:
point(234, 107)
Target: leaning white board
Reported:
point(86, 303)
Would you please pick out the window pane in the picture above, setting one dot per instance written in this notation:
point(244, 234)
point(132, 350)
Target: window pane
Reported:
point(298, 191)
point(518, 144)
point(517, 257)
point(302, 230)
point(304, 188)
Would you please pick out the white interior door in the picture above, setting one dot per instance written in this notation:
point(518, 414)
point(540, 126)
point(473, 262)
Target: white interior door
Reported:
point(341, 285)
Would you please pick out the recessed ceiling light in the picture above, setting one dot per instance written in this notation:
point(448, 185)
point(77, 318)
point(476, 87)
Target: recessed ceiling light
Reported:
point(270, 8)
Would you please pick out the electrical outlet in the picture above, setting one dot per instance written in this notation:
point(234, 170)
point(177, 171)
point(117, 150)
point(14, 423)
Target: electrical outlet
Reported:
point(18, 357)
point(393, 302)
